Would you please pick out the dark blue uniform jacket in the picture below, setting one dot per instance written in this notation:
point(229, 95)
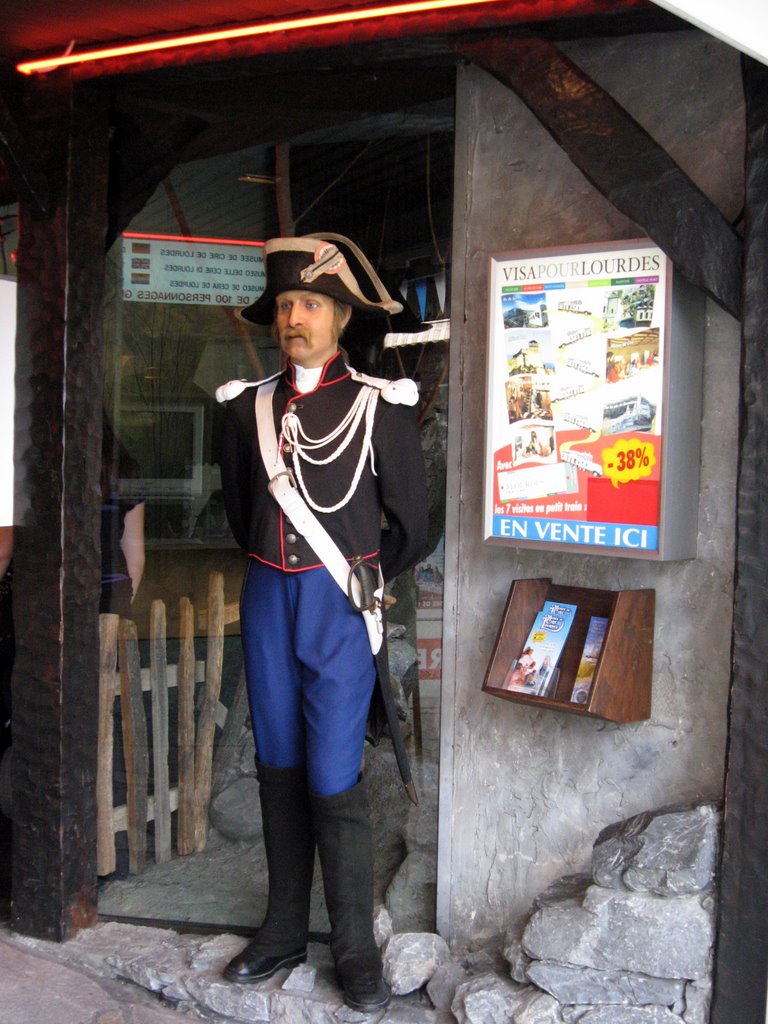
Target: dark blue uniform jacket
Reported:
point(398, 489)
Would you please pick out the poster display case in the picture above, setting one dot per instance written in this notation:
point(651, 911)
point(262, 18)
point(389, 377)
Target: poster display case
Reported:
point(593, 404)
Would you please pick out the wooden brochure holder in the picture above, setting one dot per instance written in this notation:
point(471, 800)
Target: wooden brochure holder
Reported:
point(621, 687)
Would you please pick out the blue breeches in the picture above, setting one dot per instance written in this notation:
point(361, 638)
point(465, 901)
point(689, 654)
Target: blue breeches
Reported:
point(310, 674)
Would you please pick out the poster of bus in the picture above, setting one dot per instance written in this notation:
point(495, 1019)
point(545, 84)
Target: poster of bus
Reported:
point(575, 397)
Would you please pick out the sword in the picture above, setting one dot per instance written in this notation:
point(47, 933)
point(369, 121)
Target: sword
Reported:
point(366, 599)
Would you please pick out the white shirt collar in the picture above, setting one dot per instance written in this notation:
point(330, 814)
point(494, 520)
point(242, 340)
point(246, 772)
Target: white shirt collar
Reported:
point(306, 379)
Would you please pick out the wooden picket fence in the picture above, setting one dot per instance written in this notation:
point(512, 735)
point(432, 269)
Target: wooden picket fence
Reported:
point(122, 678)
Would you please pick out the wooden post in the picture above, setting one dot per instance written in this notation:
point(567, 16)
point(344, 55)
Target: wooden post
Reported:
point(59, 379)
point(283, 188)
point(741, 968)
point(134, 746)
point(185, 838)
point(108, 627)
point(206, 725)
point(158, 675)
point(230, 734)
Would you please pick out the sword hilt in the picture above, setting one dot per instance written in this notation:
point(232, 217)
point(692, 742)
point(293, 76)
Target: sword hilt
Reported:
point(366, 599)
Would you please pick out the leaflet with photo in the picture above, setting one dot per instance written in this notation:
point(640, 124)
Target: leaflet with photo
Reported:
point(534, 670)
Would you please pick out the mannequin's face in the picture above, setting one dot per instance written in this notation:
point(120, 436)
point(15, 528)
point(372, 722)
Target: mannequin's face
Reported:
point(307, 327)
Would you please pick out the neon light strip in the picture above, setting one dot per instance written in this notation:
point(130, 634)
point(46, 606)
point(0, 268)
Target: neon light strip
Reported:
point(188, 238)
point(289, 25)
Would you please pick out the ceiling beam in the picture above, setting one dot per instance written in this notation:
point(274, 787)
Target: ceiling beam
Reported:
point(621, 160)
point(351, 25)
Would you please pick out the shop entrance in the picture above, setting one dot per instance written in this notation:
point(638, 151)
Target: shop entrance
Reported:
point(176, 274)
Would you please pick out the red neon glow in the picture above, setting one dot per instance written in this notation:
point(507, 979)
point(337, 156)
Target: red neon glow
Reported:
point(268, 28)
point(188, 238)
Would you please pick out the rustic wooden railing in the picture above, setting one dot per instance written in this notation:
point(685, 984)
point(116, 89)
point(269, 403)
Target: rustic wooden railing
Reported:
point(122, 679)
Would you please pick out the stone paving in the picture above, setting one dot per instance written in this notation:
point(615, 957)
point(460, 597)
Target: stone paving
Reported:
point(184, 971)
point(39, 986)
point(635, 949)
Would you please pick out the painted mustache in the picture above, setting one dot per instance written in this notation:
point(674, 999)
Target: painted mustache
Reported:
point(291, 333)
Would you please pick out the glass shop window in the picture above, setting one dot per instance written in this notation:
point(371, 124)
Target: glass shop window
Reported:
point(176, 277)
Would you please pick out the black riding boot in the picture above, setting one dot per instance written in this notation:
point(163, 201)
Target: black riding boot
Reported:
point(281, 941)
point(343, 832)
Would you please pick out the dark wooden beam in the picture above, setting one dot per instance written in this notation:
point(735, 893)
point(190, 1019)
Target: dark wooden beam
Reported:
point(24, 171)
point(141, 158)
point(621, 160)
point(59, 381)
point(742, 956)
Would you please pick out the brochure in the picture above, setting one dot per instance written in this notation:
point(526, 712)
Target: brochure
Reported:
point(534, 670)
point(589, 657)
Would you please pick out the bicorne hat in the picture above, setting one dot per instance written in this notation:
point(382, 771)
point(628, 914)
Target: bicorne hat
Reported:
point(315, 263)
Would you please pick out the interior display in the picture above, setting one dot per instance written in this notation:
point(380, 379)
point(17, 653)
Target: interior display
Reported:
point(167, 444)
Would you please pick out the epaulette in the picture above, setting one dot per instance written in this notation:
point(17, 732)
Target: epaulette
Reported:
point(233, 388)
point(397, 392)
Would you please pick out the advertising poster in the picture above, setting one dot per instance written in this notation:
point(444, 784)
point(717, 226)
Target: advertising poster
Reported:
point(575, 397)
point(192, 271)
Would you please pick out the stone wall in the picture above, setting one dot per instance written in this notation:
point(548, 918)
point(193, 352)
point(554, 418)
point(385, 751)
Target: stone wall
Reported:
point(523, 791)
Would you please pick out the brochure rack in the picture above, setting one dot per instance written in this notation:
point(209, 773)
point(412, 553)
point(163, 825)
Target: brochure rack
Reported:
point(621, 689)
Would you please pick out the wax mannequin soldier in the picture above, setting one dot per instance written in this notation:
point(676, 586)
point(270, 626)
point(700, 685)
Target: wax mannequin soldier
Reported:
point(311, 458)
